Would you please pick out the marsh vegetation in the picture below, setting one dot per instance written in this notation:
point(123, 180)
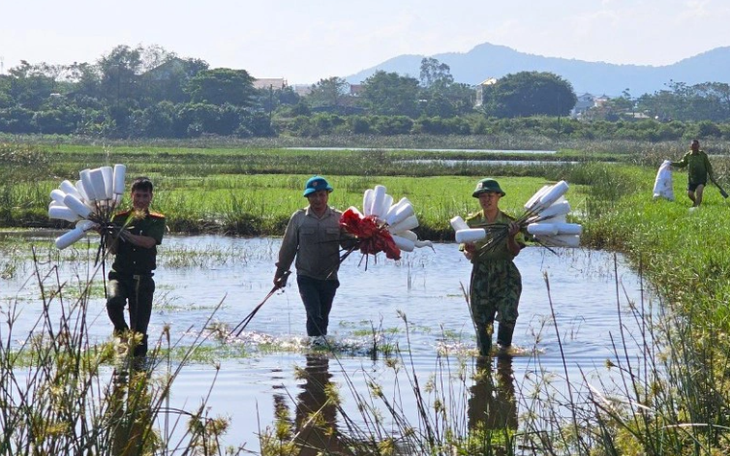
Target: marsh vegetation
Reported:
point(671, 396)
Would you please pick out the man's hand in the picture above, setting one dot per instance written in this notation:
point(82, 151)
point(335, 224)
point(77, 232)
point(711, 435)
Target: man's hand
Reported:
point(280, 278)
point(469, 249)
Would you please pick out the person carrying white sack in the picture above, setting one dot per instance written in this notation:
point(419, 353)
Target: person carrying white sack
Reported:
point(496, 283)
point(699, 169)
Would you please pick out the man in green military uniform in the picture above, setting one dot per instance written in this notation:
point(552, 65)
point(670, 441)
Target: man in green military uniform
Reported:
point(698, 170)
point(130, 280)
point(496, 283)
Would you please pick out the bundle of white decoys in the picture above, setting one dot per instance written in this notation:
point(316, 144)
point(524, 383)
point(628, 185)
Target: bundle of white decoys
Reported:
point(400, 218)
point(90, 203)
point(544, 218)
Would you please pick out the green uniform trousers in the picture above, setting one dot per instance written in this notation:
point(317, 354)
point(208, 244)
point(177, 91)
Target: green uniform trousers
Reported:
point(495, 292)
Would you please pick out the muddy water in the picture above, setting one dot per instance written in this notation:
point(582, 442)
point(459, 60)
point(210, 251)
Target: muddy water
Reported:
point(196, 274)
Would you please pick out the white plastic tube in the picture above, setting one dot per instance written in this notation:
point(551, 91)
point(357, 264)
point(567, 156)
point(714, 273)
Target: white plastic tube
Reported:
point(556, 191)
point(367, 201)
point(404, 244)
point(62, 213)
point(404, 212)
point(67, 187)
point(86, 225)
point(394, 208)
point(406, 224)
point(569, 228)
point(470, 235)
point(69, 238)
point(378, 198)
point(559, 208)
point(77, 206)
point(58, 195)
point(120, 172)
point(458, 223)
point(536, 197)
point(107, 173)
point(408, 234)
point(97, 180)
point(82, 191)
point(89, 191)
point(387, 202)
point(542, 229)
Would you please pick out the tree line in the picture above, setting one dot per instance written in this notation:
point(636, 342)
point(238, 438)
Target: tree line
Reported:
point(148, 92)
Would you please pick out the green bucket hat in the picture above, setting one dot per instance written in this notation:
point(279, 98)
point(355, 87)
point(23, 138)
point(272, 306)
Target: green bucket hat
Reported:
point(315, 184)
point(487, 185)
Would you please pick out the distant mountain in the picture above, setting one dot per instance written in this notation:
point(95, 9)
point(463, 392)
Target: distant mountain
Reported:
point(598, 78)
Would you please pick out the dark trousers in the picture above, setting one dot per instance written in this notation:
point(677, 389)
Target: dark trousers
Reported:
point(317, 296)
point(137, 291)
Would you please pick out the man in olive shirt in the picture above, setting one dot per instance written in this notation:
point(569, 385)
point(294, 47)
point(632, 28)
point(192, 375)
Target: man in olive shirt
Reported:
point(313, 235)
point(130, 280)
point(496, 283)
point(698, 170)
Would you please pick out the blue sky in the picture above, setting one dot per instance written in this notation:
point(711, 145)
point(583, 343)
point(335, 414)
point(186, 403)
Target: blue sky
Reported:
point(304, 41)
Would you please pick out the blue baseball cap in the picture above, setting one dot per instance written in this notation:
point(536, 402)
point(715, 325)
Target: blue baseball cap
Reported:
point(315, 184)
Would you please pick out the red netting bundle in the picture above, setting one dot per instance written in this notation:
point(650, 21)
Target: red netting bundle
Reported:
point(373, 237)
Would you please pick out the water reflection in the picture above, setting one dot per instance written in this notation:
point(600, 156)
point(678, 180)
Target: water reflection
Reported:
point(130, 413)
point(316, 415)
point(492, 402)
point(315, 422)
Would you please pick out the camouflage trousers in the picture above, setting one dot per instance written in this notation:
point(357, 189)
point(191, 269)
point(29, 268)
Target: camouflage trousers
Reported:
point(495, 291)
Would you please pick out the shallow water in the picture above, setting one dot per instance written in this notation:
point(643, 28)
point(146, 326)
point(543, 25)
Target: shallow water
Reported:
point(196, 274)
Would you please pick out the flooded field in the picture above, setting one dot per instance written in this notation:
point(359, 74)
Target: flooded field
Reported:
point(264, 373)
point(493, 151)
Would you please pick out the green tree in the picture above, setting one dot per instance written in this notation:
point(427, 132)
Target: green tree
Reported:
point(529, 93)
point(329, 94)
point(120, 70)
point(30, 86)
point(434, 72)
point(391, 94)
point(168, 80)
point(222, 85)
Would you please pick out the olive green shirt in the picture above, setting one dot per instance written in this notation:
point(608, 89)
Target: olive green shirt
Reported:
point(698, 166)
point(500, 251)
point(315, 242)
point(132, 259)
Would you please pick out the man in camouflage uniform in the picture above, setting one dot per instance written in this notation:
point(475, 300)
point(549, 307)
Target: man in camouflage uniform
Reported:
point(130, 279)
point(496, 283)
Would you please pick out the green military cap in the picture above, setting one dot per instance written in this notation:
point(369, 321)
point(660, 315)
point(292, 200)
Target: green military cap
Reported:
point(487, 185)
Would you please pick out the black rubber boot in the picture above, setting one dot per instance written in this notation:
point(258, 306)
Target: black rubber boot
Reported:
point(504, 334)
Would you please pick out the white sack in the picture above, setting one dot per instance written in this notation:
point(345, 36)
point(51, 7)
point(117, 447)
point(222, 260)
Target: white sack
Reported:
point(663, 183)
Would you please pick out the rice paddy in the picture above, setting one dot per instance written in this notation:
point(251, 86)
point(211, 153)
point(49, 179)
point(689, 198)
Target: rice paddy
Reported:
point(673, 397)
